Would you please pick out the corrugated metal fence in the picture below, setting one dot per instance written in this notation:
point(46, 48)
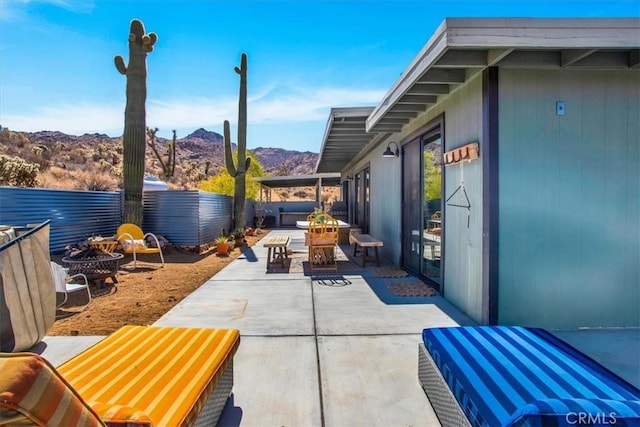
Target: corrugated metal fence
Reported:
point(185, 218)
point(74, 215)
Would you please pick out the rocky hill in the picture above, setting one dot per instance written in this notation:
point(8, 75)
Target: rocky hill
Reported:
point(94, 161)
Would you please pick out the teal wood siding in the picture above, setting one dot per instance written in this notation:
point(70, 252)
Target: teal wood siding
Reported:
point(463, 245)
point(569, 210)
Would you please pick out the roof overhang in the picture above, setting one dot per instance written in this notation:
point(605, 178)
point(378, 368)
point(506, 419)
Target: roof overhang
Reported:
point(321, 179)
point(461, 48)
point(344, 137)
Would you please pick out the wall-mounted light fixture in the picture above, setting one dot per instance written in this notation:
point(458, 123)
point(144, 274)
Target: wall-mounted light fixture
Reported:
point(389, 153)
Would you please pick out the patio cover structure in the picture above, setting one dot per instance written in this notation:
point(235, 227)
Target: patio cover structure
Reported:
point(460, 49)
point(318, 180)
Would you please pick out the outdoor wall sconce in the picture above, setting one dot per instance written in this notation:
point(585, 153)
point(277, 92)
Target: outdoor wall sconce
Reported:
point(389, 153)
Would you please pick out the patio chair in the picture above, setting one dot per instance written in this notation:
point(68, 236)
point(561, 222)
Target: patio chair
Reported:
point(323, 241)
point(27, 290)
point(137, 376)
point(133, 241)
point(64, 284)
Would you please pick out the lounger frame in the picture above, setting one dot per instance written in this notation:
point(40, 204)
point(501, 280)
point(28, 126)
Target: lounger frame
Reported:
point(212, 409)
point(442, 399)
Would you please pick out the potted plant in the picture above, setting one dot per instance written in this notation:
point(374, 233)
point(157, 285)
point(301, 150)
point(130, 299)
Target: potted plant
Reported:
point(239, 237)
point(222, 246)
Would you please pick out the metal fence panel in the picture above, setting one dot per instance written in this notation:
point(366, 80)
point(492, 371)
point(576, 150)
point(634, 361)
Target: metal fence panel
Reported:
point(187, 218)
point(74, 215)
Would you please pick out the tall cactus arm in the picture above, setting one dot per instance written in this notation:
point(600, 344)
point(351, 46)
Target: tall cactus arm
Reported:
point(119, 61)
point(242, 109)
point(173, 154)
point(148, 40)
point(228, 153)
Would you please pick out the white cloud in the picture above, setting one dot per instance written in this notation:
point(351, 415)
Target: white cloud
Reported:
point(298, 104)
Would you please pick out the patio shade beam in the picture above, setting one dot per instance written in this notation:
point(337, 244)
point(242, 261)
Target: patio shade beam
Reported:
point(401, 115)
point(570, 57)
point(418, 99)
point(393, 121)
point(496, 55)
point(348, 125)
point(429, 89)
point(388, 128)
point(634, 58)
point(605, 60)
point(441, 75)
point(462, 59)
point(409, 107)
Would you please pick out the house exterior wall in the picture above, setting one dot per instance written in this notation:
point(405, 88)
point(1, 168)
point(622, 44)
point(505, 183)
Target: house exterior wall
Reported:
point(385, 200)
point(569, 245)
point(463, 246)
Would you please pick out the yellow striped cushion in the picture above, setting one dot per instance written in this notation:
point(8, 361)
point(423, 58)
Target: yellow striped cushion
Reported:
point(166, 373)
point(120, 416)
point(30, 386)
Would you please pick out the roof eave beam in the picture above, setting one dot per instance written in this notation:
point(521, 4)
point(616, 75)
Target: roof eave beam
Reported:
point(634, 58)
point(570, 57)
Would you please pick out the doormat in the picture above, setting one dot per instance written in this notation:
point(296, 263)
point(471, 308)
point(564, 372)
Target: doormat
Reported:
point(389, 272)
point(411, 289)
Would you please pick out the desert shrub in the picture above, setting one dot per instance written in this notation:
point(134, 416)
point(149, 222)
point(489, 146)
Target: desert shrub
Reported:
point(17, 172)
point(301, 194)
point(284, 196)
point(86, 180)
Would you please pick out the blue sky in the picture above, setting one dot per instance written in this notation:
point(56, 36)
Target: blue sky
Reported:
point(57, 71)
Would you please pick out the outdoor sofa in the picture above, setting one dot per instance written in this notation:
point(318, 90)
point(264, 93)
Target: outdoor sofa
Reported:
point(137, 376)
point(517, 376)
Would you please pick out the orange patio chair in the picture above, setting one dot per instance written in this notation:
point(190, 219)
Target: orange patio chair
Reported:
point(133, 241)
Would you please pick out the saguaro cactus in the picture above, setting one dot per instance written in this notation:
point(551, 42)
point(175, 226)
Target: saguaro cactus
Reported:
point(168, 166)
point(133, 138)
point(239, 172)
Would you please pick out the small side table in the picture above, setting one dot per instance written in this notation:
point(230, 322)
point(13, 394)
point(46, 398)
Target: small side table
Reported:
point(106, 244)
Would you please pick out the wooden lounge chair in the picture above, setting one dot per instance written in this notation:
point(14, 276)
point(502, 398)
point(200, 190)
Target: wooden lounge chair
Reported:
point(517, 376)
point(145, 375)
point(133, 241)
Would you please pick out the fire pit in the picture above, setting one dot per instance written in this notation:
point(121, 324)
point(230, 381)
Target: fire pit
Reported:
point(96, 264)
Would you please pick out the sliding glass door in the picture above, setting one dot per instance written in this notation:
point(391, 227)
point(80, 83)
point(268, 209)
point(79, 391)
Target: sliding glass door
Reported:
point(362, 199)
point(422, 214)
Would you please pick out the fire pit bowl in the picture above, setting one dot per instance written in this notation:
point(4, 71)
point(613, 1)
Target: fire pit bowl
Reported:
point(97, 267)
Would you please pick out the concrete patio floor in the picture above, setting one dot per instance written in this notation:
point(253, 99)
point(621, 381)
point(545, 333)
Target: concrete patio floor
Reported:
point(330, 352)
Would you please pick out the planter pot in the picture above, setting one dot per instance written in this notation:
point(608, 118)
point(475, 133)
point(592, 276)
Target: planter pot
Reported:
point(239, 241)
point(222, 249)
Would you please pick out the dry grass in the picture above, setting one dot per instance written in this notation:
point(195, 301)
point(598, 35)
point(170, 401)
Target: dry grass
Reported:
point(142, 296)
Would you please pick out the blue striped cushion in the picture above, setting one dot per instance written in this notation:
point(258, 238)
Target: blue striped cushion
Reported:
point(509, 375)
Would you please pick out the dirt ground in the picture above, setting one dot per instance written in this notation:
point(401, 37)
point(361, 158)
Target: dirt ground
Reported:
point(142, 296)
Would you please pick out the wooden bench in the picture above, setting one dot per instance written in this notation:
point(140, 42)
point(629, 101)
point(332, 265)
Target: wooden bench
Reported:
point(279, 245)
point(364, 242)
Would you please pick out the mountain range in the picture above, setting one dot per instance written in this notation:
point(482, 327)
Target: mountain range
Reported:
point(70, 161)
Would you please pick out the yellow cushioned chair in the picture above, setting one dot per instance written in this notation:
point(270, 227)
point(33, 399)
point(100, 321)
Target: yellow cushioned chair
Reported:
point(133, 241)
